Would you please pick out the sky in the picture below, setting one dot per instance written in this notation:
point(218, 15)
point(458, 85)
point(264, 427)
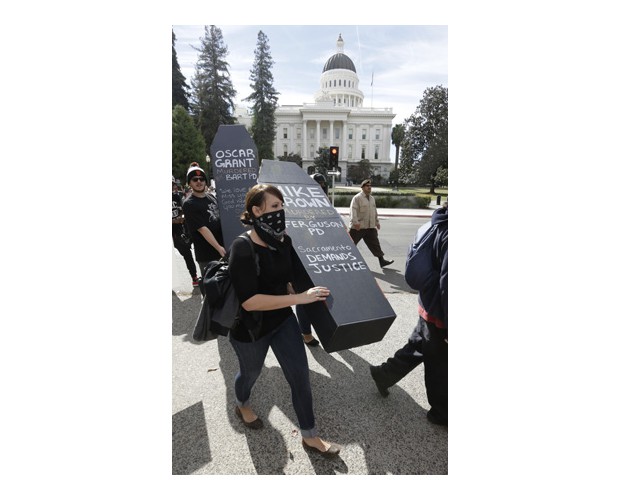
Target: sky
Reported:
point(399, 61)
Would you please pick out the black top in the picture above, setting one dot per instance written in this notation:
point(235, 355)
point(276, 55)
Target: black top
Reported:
point(277, 268)
point(201, 212)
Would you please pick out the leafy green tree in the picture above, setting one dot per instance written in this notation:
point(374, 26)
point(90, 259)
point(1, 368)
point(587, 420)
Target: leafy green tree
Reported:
point(264, 99)
point(179, 87)
point(398, 134)
point(213, 93)
point(393, 177)
point(358, 172)
point(321, 162)
point(293, 158)
point(425, 145)
point(188, 145)
point(441, 177)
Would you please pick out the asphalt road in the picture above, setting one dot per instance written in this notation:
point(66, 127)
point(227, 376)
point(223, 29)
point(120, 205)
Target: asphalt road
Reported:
point(379, 435)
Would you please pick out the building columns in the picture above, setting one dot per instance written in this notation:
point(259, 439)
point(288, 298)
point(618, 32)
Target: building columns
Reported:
point(303, 135)
point(318, 135)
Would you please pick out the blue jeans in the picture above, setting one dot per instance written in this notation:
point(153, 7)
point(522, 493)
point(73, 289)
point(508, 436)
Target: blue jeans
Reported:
point(287, 345)
point(304, 320)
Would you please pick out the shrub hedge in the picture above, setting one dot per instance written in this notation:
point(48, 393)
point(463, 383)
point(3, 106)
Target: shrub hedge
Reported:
point(388, 200)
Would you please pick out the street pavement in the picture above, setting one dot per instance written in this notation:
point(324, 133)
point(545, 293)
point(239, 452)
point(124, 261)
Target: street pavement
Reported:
point(379, 435)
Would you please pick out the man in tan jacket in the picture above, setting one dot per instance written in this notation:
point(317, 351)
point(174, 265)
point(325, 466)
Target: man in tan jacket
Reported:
point(364, 223)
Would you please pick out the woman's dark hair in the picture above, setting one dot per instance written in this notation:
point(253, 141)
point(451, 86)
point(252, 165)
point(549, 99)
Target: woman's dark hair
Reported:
point(255, 197)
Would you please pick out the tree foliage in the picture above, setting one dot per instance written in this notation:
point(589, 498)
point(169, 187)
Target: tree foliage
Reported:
point(188, 145)
point(424, 148)
point(441, 177)
point(213, 93)
point(264, 99)
point(293, 158)
point(360, 171)
point(398, 135)
point(180, 89)
point(321, 162)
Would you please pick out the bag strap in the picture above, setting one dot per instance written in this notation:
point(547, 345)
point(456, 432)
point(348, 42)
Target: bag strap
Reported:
point(246, 237)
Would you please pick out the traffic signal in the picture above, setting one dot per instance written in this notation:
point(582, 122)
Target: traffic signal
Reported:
point(333, 157)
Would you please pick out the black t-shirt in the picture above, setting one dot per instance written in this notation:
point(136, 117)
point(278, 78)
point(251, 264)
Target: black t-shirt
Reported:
point(277, 268)
point(176, 211)
point(201, 212)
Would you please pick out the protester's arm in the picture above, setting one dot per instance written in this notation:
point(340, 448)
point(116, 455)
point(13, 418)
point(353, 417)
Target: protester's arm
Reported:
point(354, 215)
point(263, 302)
point(208, 235)
point(245, 282)
point(373, 207)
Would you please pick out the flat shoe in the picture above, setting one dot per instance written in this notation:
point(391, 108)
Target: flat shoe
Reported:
point(254, 424)
point(332, 451)
point(313, 343)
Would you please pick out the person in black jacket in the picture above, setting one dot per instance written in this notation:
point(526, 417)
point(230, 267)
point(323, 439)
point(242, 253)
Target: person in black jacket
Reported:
point(178, 237)
point(269, 291)
point(202, 217)
point(429, 341)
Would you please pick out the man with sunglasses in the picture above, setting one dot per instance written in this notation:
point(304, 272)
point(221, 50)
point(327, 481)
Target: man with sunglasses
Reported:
point(202, 217)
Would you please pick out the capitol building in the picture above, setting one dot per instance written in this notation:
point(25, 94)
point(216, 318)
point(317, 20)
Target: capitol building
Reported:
point(336, 118)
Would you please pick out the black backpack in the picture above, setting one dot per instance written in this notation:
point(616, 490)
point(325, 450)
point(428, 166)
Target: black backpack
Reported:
point(420, 271)
point(220, 308)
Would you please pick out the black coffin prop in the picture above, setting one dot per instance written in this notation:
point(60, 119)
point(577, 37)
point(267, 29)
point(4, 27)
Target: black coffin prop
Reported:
point(234, 160)
point(357, 312)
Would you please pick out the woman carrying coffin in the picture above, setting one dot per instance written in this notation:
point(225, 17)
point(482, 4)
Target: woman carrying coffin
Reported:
point(270, 292)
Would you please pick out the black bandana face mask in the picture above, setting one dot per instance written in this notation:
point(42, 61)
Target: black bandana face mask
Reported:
point(273, 223)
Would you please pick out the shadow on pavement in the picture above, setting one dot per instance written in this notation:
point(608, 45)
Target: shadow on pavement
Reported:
point(391, 435)
point(394, 278)
point(393, 432)
point(190, 442)
point(185, 309)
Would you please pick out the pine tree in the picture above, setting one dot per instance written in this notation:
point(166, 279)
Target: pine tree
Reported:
point(212, 89)
point(188, 144)
point(264, 99)
point(179, 87)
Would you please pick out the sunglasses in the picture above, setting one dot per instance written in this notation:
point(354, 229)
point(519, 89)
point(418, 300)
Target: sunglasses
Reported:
point(201, 179)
